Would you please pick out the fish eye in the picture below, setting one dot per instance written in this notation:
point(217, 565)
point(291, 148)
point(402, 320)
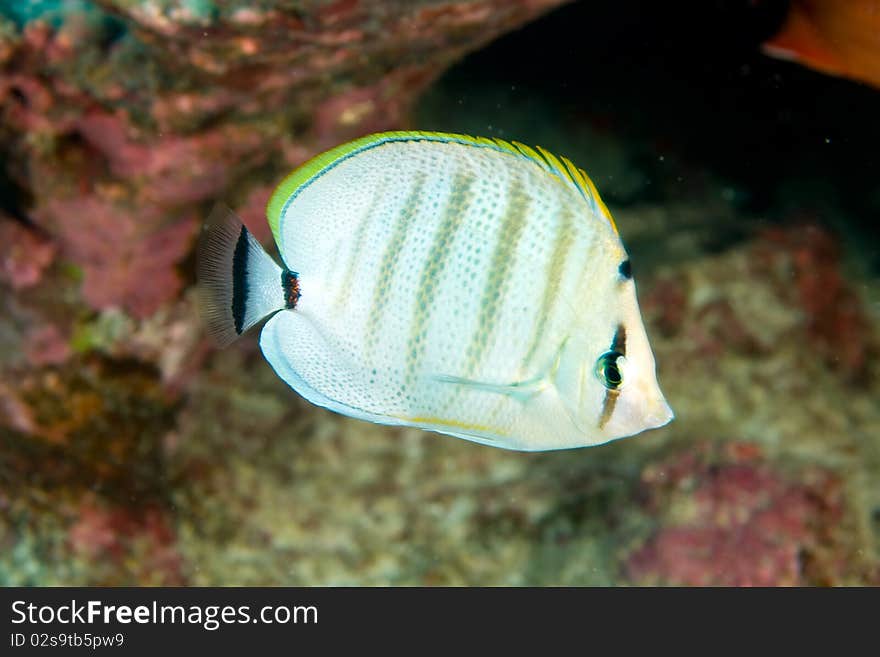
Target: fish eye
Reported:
point(608, 369)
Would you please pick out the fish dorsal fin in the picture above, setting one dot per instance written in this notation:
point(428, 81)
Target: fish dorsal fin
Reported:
point(566, 171)
point(562, 168)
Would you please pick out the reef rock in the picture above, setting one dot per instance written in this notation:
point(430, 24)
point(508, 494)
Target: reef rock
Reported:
point(121, 119)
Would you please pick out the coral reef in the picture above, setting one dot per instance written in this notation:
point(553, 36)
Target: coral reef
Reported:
point(223, 476)
point(239, 481)
point(82, 459)
point(123, 118)
point(729, 519)
point(25, 257)
point(133, 453)
point(836, 322)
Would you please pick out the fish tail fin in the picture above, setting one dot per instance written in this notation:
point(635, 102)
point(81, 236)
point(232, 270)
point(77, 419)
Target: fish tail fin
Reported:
point(238, 282)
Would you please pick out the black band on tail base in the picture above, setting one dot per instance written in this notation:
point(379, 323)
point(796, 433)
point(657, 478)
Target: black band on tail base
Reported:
point(239, 280)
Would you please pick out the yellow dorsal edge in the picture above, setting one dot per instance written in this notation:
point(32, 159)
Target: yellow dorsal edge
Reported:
point(307, 172)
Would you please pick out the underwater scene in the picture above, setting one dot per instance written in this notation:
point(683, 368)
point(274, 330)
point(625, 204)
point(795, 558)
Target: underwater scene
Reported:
point(578, 293)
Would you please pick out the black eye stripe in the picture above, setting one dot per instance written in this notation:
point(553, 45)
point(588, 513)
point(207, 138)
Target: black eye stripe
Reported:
point(619, 342)
point(625, 269)
point(608, 405)
point(618, 348)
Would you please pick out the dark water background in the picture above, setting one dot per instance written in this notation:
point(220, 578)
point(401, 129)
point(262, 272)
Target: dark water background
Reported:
point(686, 90)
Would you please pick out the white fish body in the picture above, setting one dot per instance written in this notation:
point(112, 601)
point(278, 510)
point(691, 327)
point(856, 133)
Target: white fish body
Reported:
point(467, 286)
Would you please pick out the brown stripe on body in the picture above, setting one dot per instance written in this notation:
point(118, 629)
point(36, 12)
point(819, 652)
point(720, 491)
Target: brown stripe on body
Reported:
point(618, 345)
point(512, 224)
point(619, 342)
point(564, 240)
point(357, 248)
point(390, 258)
point(608, 405)
point(435, 264)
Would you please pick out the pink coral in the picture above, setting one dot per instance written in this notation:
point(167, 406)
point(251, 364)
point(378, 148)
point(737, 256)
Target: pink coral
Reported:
point(836, 320)
point(46, 345)
point(665, 305)
point(173, 170)
point(747, 524)
point(120, 158)
point(24, 255)
point(117, 534)
point(126, 260)
point(253, 212)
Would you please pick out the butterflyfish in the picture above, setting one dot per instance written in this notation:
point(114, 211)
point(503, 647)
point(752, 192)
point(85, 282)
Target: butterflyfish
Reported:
point(469, 286)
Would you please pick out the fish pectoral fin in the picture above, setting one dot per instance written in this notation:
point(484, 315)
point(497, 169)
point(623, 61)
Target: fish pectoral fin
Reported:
point(522, 391)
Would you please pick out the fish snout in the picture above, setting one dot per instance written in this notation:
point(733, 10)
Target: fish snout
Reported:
point(658, 413)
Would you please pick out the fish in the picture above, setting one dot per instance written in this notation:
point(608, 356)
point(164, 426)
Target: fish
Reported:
point(463, 285)
point(834, 37)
